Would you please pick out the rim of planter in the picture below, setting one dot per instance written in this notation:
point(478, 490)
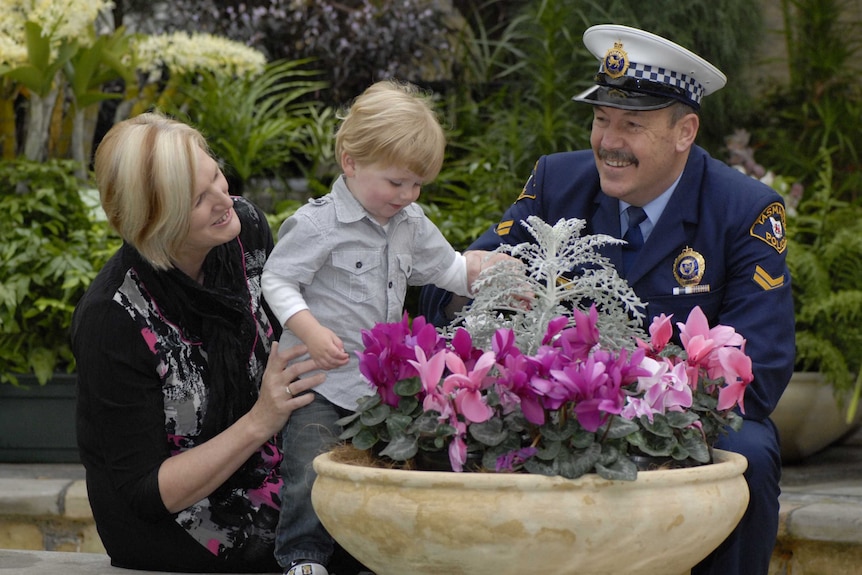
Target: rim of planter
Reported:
point(726, 464)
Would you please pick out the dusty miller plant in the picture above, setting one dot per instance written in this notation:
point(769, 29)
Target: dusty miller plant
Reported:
point(553, 291)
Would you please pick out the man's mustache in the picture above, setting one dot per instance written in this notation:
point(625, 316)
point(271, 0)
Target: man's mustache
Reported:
point(619, 157)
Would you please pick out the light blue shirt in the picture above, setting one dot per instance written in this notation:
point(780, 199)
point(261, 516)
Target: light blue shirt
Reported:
point(653, 210)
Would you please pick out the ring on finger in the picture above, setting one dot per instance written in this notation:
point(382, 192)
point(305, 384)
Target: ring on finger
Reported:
point(287, 389)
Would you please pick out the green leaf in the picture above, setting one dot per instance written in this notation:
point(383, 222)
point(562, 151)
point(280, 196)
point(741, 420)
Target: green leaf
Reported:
point(408, 387)
point(401, 448)
point(621, 427)
point(38, 46)
point(375, 415)
point(560, 432)
point(622, 469)
point(408, 405)
point(657, 446)
point(347, 419)
point(365, 439)
point(426, 423)
point(490, 432)
point(681, 419)
point(397, 424)
point(696, 447)
point(349, 431)
point(550, 450)
point(573, 465)
point(367, 402)
point(658, 426)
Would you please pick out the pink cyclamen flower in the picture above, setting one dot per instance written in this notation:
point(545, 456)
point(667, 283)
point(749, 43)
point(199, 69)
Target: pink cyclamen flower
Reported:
point(466, 386)
point(458, 449)
point(737, 375)
point(668, 389)
point(660, 331)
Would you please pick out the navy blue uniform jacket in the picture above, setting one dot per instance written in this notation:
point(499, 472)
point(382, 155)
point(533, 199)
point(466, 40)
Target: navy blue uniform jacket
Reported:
point(734, 221)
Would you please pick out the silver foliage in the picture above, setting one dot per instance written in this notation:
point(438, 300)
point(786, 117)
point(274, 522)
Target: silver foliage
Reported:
point(558, 250)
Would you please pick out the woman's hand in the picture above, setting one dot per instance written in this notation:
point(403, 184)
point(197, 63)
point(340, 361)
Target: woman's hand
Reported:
point(192, 475)
point(283, 389)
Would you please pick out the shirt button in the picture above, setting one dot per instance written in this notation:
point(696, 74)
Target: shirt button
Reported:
point(390, 284)
point(358, 265)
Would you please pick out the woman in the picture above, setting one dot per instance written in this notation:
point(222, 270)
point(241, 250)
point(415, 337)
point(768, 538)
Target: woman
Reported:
point(181, 386)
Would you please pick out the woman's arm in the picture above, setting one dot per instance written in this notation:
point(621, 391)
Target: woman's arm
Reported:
point(188, 477)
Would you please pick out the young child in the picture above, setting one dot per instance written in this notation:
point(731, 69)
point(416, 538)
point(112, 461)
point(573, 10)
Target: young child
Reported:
point(343, 263)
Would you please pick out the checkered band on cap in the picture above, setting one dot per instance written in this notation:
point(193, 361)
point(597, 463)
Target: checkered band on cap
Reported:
point(692, 87)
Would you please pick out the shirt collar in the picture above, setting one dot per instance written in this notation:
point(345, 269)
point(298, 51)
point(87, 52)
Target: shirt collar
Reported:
point(656, 207)
point(348, 209)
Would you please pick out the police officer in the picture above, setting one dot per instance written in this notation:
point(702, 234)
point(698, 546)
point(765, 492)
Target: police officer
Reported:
point(698, 233)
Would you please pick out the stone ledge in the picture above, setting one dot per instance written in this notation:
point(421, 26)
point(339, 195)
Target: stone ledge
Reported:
point(57, 562)
point(33, 497)
point(833, 520)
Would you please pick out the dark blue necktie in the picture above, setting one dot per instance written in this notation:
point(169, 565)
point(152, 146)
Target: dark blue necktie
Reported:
point(633, 236)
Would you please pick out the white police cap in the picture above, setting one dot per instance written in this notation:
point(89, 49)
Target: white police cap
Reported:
point(641, 71)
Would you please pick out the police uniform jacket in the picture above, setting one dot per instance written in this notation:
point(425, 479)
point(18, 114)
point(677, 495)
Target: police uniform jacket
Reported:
point(734, 222)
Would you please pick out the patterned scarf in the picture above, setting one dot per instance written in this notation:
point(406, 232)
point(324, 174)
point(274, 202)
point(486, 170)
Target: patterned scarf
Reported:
point(217, 313)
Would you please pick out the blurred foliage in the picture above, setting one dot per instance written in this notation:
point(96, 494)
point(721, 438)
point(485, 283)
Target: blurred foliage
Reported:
point(824, 255)
point(52, 246)
point(255, 124)
point(356, 41)
point(820, 108)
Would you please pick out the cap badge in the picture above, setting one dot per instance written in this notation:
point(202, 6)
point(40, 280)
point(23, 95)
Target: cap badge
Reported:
point(689, 267)
point(616, 61)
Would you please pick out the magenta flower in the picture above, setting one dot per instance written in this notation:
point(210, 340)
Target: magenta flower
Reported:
point(577, 341)
point(525, 409)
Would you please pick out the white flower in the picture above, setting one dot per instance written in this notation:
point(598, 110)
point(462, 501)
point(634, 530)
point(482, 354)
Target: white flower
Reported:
point(59, 19)
point(182, 53)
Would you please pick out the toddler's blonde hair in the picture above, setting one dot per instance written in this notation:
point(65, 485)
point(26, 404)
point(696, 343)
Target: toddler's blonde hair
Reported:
point(393, 124)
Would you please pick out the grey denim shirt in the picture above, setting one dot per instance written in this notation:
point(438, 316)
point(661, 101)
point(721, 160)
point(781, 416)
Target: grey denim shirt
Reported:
point(353, 273)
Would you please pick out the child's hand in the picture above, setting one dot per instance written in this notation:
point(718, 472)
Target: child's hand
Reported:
point(479, 260)
point(326, 349)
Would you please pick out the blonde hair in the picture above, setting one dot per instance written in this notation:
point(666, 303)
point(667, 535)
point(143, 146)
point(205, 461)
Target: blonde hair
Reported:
point(145, 171)
point(393, 124)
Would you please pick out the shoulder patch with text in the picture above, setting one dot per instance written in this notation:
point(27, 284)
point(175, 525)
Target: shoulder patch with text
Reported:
point(770, 227)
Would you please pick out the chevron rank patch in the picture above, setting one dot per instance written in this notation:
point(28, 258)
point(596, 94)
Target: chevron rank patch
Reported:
point(503, 228)
point(770, 227)
point(767, 282)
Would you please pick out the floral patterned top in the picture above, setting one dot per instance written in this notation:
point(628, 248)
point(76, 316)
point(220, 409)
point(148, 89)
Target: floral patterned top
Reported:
point(143, 395)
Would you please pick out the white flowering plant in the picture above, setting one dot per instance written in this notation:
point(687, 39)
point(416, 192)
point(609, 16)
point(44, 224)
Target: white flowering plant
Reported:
point(547, 392)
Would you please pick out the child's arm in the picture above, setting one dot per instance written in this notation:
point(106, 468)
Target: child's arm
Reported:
point(289, 307)
point(324, 347)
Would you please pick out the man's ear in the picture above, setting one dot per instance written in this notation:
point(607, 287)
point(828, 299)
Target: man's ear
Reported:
point(348, 164)
point(687, 128)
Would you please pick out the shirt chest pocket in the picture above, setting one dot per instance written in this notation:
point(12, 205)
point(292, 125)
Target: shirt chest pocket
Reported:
point(357, 273)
